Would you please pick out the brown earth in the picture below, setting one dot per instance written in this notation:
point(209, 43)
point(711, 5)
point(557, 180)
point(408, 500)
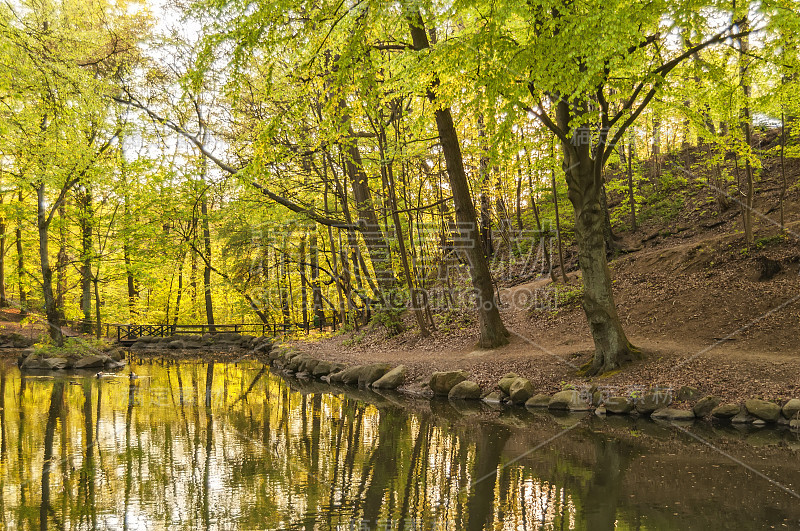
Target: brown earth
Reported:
point(688, 294)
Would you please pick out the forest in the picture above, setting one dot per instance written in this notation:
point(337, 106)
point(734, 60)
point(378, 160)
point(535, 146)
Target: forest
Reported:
point(331, 165)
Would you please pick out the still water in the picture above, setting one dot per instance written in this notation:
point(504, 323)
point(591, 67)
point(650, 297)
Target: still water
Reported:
point(193, 445)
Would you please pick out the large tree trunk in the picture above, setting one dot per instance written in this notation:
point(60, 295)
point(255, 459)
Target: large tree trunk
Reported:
point(747, 126)
point(51, 311)
point(23, 296)
point(585, 183)
point(207, 268)
point(3, 300)
point(316, 291)
point(493, 332)
point(86, 214)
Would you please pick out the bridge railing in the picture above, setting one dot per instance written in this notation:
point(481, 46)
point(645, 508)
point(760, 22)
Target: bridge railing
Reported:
point(135, 331)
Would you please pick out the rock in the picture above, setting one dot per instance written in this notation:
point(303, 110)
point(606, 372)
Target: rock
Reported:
point(441, 382)
point(795, 425)
point(349, 375)
point(687, 393)
point(725, 411)
point(493, 398)
point(669, 413)
point(302, 375)
point(116, 354)
point(763, 409)
point(505, 382)
point(759, 423)
point(54, 363)
point(742, 417)
point(309, 364)
point(322, 368)
point(600, 412)
point(597, 398)
point(31, 362)
point(466, 390)
point(705, 406)
point(570, 400)
point(178, 344)
point(227, 337)
point(520, 390)
point(618, 405)
point(392, 379)
point(91, 362)
point(791, 408)
point(372, 373)
point(538, 400)
point(652, 401)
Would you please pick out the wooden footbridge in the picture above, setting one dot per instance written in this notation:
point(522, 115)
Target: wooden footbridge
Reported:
point(127, 334)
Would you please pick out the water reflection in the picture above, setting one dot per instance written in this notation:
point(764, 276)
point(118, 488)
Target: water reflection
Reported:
point(204, 445)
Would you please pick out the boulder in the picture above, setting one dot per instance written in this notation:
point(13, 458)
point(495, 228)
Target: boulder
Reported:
point(725, 411)
point(92, 361)
point(742, 417)
point(392, 379)
point(597, 398)
point(466, 390)
point(705, 406)
point(795, 425)
point(569, 399)
point(495, 397)
point(652, 400)
point(309, 364)
point(372, 373)
point(763, 409)
point(520, 390)
point(618, 405)
point(55, 363)
point(227, 337)
point(540, 400)
point(177, 344)
point(669, 413)
point(441, 382)
point(687, 393)
point(791, 408)
point(322, 368)
point(31, 362)
point(349, 375)
point(600, 411)
point(116, 354)
point(505, 382)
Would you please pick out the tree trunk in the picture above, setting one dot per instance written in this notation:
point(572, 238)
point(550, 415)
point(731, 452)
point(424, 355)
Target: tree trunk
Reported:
point(207, 269)
point(558, 229)
point(493, 332)
point(51, 311)
point(303, 289)
point(98, 324)
point(316, 291)
point(747, 127)
point(86, 214)
point(374, 238)
point(782, 197)
point(3, 300)
point(630, 184)
point(61, 260)
point(585, 183)
point(21, 273)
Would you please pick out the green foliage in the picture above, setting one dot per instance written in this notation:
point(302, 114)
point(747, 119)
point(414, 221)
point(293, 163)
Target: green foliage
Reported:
point(74, 347)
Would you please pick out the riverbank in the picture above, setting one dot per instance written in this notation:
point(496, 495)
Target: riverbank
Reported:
point(700, 310)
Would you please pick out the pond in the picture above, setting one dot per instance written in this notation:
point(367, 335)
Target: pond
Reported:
point(196, 445)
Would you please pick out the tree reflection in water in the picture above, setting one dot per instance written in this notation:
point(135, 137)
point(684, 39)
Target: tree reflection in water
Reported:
point(240, 447)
